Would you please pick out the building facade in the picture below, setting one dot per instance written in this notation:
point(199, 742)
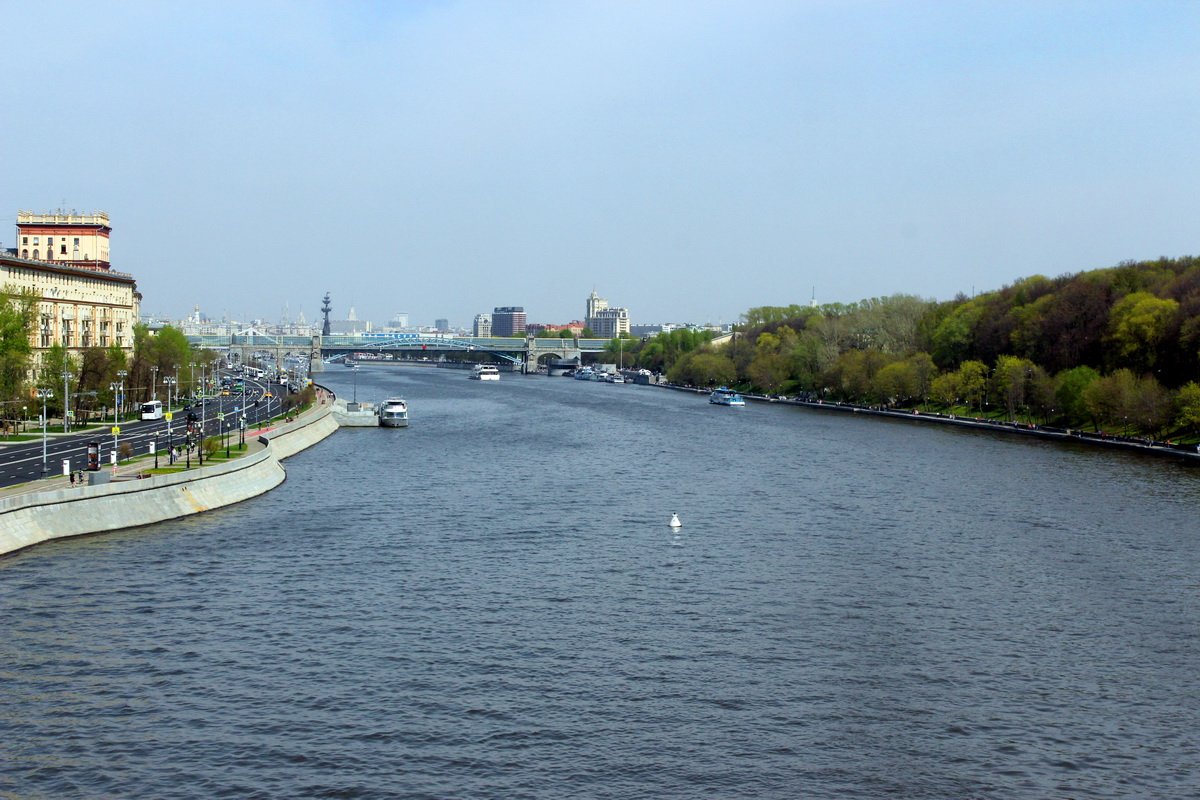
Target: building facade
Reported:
point(482, 326)
point(64, 237)
point(508, 321)
point(605, 322)
point(63, 260)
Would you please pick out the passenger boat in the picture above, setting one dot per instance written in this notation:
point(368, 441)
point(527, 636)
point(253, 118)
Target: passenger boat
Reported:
point(393, 413)
point(585, 374)
point(726, 397)
point(485, 372)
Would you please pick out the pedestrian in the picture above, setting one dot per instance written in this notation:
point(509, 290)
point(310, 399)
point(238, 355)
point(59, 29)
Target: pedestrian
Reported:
point(72, 478)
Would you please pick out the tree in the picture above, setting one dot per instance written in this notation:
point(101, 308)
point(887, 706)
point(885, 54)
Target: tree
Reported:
point(587, 334)
point(1109, 399)
point(1187, 407)
point(768, 371)
point(1138, 323)
point(1011, 382)
point(703, 368)
point(17, 315)
point(55, 363)
point(972, 383)
point(1069, 388)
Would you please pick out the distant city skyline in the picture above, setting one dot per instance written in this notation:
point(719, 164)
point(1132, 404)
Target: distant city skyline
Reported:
point(690, 160)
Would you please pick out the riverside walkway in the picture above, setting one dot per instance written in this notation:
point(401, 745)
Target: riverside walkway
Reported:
point(1187, 453)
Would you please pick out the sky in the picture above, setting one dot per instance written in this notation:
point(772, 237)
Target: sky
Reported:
point(687, 160)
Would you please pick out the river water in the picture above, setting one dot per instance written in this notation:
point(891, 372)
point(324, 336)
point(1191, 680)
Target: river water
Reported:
point(490, 604)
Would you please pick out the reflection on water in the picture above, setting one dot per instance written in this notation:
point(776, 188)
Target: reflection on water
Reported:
point(490, 603)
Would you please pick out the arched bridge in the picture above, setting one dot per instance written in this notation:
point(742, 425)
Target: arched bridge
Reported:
point(527, 351)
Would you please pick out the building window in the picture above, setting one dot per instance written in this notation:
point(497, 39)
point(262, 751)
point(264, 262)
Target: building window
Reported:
point(77, 241)
point(63, 249)
point(24, 254)
point(35, 254)
point(35, 240)
point(24, 240)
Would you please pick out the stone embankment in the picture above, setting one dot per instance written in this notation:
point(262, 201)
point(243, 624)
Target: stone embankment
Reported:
point(30, 518)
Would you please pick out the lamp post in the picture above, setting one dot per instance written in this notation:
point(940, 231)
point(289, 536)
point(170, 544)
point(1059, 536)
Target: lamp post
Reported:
point(354, 369)
point(243, 409)
point(169, 382)
point(66, 376)
point(192, 380)
point(154, 383)
point(115, 388)
point(200, 450)
point(44, 394)
point(120, 394)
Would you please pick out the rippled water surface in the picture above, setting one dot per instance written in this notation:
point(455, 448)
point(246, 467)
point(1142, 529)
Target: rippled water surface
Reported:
point(490, 604)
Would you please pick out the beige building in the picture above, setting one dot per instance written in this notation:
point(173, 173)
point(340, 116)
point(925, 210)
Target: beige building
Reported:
point(64, 259)
point(605, 322)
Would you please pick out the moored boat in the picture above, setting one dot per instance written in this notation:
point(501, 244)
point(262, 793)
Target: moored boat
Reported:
point(393, 413)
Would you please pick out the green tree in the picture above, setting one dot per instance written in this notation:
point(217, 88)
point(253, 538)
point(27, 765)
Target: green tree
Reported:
point(17, 315)
point(703, 368)
point(769, 371)
point(1187, 407)
point(55, 363)
point(1138, 323)
point(1109, 400)
point(1069, 388)
point(972, 383)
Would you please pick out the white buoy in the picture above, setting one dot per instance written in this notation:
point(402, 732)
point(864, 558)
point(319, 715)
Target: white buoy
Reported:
point(675, 523)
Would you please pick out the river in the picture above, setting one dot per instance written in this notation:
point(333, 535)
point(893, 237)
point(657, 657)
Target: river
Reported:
point(490, 604)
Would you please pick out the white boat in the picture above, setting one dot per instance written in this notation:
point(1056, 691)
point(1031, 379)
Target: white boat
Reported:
point(726, 397)
point(393, 413)
point(585, 374)
point(485, 372)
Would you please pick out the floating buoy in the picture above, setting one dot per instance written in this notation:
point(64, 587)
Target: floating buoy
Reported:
point(675, 523)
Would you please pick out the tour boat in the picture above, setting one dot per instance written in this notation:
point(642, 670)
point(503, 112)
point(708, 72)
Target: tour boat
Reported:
point(726, 397)
point(585, 374)
point(485, 372)
point(393, 413)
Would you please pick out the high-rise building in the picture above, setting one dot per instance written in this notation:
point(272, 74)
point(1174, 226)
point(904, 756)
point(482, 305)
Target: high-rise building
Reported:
point(508, 321)
point(605, 322)
point(482, 326)
point(443, 325)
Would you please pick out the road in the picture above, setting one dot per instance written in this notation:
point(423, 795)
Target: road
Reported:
point(22, 462)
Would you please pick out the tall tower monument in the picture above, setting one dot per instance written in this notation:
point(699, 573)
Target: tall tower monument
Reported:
point(325, 309)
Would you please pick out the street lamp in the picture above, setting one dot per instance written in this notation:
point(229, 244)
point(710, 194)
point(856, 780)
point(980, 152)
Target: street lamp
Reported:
point(44, 394)
point(154, 383)
point(66, 376)
point(203, 388)
point(355, 371)
point(121, 374)
point(169, 382)
point(192, 380)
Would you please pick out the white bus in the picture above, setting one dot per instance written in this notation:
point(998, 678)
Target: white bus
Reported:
point(152, 410)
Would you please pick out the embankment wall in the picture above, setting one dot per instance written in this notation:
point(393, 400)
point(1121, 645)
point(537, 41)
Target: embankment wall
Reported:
point(37, 517)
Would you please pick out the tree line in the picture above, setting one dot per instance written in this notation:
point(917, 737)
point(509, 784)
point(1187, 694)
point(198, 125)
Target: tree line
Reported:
point(1111, 349)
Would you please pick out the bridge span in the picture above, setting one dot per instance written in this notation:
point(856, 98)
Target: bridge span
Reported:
point(526, 352)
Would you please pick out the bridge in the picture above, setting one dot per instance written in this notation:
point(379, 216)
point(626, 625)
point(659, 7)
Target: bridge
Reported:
point(526, 352)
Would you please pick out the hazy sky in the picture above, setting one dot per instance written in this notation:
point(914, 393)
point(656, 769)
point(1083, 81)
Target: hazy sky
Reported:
point(689, 160)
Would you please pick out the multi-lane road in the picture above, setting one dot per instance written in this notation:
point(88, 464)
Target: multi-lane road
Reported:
point(21, 462)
